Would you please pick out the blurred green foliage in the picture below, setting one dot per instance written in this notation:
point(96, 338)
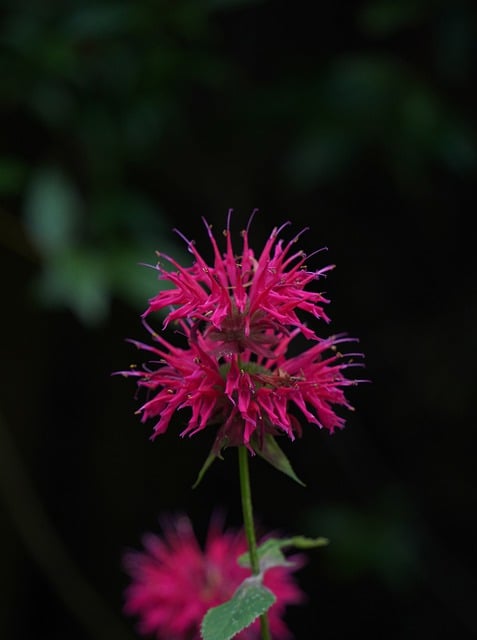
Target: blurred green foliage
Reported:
point(111, 110)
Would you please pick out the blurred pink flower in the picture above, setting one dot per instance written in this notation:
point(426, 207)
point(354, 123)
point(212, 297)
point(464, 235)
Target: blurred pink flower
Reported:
point(174, 581)
point(238, 318)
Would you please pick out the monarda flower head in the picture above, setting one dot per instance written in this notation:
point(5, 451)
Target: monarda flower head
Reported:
point(242, 301)
point(235, 371)
point(174, 581)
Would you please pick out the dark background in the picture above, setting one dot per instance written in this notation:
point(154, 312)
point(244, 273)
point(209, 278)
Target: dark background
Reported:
point(122, 120)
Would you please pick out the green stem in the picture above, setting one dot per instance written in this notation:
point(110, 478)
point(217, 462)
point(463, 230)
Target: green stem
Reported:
point(249, 526)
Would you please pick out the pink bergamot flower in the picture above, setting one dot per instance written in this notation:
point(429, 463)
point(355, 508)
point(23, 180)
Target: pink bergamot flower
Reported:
point(237, 369)
point(174, 581)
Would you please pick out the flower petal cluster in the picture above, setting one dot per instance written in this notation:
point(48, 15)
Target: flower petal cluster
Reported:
point(237, 369)
point(242, 296)
point(174, 581)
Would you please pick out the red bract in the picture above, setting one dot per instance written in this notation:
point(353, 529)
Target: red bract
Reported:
point(174, 582)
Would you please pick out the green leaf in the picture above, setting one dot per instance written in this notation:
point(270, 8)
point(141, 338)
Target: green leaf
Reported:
point(269, 555)
point(52, 211)
point(210, 458)
point(271, 452)
point(301, 542)
point(76, 280)
point(270, 552)
point(249, 602)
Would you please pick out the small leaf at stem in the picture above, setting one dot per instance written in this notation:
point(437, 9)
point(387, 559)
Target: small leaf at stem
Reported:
point(270, 552)
point(301, 542)
point(210, 458)
point(271, 452)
